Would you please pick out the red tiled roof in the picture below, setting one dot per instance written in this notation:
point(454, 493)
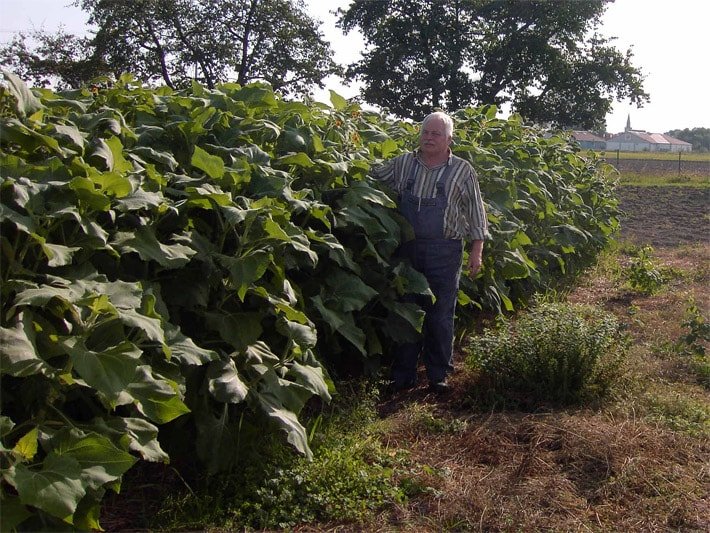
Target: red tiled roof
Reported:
point(651, 138)
point(673, 140)
point(586, 136)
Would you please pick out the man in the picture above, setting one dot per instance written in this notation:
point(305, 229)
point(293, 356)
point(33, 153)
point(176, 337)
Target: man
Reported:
point(439, 195)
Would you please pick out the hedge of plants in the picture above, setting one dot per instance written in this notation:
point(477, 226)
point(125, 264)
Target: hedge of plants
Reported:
point(183, 272)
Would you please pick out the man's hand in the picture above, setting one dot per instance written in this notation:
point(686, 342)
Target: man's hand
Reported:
point(474, 265)
point(474, 258)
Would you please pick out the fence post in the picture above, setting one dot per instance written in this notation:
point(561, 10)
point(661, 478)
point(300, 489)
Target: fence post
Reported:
point(679, 154)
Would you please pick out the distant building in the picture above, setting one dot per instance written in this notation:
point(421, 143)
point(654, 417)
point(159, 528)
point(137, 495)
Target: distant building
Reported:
point(631, 140)
point(589, 141)
point(642, 141)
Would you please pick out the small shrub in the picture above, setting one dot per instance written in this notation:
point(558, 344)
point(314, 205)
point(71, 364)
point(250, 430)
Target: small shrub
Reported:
point(643, 274)
point(694, 342)
point(698, 329)
point(555, 353)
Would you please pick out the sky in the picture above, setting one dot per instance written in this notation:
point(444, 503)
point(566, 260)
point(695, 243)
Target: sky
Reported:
point(668, 39)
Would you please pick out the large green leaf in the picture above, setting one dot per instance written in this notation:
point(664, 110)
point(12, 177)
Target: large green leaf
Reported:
point(56, 487)
point(100, 459)
point(142, 436)
point(239, 330)
point(212, 165)
point(157, 398)
point(110, 371)
point(343, 323)
point(347, 292)
point(247, 269)
point(18, 351)
point(27, 103)
point(71, 135)
point(145, 242)
point(287, 421)
point(224, 382)
point(309, 377)
point(184, 348)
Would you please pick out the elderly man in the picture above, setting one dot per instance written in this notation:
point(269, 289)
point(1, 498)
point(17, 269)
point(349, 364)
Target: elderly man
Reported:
point(439, 195)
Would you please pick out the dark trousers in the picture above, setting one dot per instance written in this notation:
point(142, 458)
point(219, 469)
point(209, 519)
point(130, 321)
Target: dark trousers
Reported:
point(440, 262)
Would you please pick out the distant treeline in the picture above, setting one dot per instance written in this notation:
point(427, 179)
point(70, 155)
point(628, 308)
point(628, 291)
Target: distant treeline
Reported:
point(698, 137)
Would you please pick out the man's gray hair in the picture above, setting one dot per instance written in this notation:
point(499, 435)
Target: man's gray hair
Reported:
point(448, 121)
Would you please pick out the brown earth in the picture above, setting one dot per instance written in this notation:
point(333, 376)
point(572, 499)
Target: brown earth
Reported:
point(665, 216)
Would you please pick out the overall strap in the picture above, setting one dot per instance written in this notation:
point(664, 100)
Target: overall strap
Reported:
point(409, 185)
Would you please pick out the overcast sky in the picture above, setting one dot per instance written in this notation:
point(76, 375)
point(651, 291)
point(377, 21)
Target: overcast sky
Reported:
point(668, 39)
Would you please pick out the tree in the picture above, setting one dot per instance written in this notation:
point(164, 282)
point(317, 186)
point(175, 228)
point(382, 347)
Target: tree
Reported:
point(176, 41)
point(543, 58)
point(61, 59)
point(698, 137)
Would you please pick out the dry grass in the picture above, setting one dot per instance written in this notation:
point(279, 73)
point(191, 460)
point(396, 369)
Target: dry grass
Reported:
point(631, 466)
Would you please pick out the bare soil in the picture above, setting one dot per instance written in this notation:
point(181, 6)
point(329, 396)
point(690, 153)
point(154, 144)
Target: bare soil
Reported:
point(665, 216)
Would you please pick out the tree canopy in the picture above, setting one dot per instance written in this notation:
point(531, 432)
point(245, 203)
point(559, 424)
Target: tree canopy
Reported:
point(543, 58)
point(698, 137)
point(176, 41)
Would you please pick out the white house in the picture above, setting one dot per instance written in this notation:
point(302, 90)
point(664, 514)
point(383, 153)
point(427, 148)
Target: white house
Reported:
point(642, 141)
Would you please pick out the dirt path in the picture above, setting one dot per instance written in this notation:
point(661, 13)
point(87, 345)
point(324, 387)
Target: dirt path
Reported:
point(665, 216)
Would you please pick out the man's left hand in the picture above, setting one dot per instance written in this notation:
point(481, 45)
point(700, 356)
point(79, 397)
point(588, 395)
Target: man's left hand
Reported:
point(474, 265)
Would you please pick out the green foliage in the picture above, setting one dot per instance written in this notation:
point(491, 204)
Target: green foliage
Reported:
point(642, 273)
point(695, 341)
point(467, 53)
point(199, 262)
point(550, 210)
point(698, 329)
point(556, 353)
point(351, 476)
point(344, 483)
point(422, 419)
point(175, 43)
point(678, 409)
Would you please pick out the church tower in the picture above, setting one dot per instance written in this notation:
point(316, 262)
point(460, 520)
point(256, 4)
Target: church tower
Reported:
point(628, 122)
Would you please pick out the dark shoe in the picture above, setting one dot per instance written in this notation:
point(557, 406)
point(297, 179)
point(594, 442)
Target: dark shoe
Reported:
point(441, 387)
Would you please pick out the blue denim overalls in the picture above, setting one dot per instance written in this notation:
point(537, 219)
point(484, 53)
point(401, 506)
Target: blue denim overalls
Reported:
point(439, 259)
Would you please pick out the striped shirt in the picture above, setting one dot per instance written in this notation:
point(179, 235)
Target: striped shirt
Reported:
point(465, 215)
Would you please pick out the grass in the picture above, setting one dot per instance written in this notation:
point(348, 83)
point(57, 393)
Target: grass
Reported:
point(656, 180)
point(657, 156)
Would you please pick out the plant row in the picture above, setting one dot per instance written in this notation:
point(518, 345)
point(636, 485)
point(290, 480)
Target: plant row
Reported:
point(183, 271)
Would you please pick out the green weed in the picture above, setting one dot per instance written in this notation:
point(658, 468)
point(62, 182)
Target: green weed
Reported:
point(678, 410)
point(422, 419)
point(557, 353)
point(643, 275)
point(350, 477)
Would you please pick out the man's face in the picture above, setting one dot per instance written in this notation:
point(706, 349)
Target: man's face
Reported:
point(433, 139)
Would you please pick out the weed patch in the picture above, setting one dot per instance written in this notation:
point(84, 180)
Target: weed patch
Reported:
point(556, 353)
point(350, 477)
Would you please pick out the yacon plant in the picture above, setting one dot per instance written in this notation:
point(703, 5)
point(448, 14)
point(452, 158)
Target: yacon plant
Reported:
point(181, 271)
